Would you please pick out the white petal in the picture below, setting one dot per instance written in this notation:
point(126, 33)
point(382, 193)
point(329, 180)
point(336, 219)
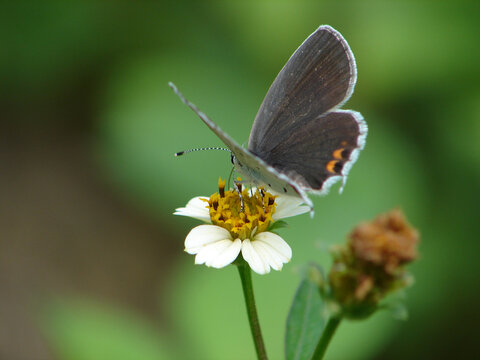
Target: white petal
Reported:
point(273, 249)
point(210, 251)
point(289, 206)
point(269, 256)
point(254, 259)
point(219, 254)
point(204, 235)
point(276, 242)
point(224, 253)
point(196, 208)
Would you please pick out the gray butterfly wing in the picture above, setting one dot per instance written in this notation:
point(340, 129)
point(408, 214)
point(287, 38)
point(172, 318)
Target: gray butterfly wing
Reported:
point(253, 168)
point(295, 131)
point(321, 151)
point(318, 77)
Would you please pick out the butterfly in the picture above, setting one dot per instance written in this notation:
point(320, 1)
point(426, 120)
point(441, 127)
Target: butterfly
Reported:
point(301, 142)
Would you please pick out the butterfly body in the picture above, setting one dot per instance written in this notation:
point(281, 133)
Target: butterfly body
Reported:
point(301, 141)
point(260, 173)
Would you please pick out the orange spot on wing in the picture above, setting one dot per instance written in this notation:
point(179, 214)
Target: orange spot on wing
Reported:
point(337, 154)
point(343, 143)
point(331, 166)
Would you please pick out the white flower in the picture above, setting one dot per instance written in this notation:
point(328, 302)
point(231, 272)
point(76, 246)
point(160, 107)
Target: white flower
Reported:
point(232, 230)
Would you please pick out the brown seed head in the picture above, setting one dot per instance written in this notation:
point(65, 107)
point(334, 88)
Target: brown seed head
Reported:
point(388, 241)
point(369, 266)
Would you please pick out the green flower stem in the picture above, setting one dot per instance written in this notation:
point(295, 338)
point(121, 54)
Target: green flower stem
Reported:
point(327, 335)
point(246, 277)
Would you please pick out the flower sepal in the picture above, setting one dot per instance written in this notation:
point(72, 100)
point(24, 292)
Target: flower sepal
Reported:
point(396, 308)
point(280, 224)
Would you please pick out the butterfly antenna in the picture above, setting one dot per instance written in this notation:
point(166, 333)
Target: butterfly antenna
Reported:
point(180, 153)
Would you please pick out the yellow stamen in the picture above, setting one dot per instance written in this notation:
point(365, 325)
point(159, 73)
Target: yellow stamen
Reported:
point(221, 187)
point(225, 211)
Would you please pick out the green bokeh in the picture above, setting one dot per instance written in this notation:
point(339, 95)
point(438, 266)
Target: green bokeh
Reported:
point(417, 89)
point(80, 329)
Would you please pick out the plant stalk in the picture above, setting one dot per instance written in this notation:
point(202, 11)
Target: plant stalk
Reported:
point(246, 278)
point(327, 335)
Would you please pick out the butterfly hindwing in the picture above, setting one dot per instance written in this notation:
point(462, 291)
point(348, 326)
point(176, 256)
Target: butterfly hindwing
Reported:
point(320, 152)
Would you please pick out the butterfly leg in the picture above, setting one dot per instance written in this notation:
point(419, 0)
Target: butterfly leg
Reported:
point(262, 194)
point(238, 189)
point(230, 177)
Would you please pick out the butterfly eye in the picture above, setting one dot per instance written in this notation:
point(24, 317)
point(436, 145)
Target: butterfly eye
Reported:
point(232, 158)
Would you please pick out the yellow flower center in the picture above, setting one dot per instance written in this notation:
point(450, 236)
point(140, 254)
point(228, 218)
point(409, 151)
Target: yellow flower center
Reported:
point(226, 211)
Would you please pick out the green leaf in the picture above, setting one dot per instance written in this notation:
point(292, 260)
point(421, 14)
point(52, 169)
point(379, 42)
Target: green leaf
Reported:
point(305, 322)
point(278, 225)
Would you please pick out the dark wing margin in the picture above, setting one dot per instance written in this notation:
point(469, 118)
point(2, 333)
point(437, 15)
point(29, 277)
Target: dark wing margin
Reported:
point(318, 77)
point(321, 152)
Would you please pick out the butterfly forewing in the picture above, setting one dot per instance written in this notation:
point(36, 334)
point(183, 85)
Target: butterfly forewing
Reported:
point(318, 77)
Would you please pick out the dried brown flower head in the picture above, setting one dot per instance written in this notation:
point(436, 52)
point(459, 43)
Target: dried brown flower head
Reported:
point(387, 241)
point(370, 265)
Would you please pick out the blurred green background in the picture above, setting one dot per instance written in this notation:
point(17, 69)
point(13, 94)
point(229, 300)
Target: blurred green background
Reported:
point(91, 258)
